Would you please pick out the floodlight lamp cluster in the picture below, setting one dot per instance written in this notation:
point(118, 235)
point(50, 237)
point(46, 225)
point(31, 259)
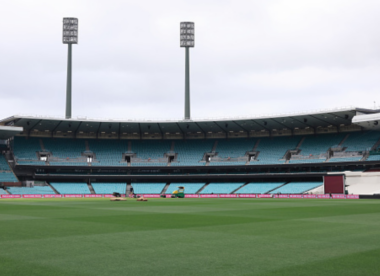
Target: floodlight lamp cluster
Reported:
point(187, 34)
point(70, 30)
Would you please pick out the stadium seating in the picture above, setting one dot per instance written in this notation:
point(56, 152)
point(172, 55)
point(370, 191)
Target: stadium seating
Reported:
point(232, 152)
point(314, 145)
point(71, 188)
point(3, 192)
point(227, 163)
point(68, 163)
point(149, 164)
point(360, 141)
point(43, 190)
point(7, 177)
point(273, 149)
point(220, 188)
point(109, 188)
point(148, 188)
point(304, 161)
point(259, 188)
point(31, 162)
point(234, 147)
point(24, 148)
point(190, 188)
point(346, 159)
point(229, 152)
point(108, 153)
point(191, 152)
point(296, 187)
point(373, 157)
point(64, 148)
point(3, 164)
point(6, 174)
point(151, 151)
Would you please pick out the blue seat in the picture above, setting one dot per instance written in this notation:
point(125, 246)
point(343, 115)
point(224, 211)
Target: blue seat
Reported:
point(148, 188)
point(71, 188)
point(109, 188)
point(297, 187)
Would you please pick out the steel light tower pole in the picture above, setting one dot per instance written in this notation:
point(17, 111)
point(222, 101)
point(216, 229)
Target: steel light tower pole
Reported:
point(187, 41)
point(70, 36)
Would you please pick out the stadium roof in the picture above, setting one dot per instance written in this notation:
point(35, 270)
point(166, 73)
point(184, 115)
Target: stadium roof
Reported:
point(326, 118)
point(7, 132)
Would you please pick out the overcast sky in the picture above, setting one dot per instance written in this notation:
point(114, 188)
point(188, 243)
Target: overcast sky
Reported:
point(251, 57)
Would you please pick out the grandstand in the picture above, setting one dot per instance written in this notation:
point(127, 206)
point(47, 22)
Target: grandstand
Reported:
point(254, 155)
point(215, 152)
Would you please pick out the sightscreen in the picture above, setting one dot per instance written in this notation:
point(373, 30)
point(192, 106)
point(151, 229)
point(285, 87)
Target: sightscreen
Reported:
point(334, 184)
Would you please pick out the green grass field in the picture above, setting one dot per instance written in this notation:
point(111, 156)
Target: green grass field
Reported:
point(189, 237)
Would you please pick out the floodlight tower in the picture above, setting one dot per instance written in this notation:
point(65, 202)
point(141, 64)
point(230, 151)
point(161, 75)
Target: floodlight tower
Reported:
point(70, 36)
point(187, 41)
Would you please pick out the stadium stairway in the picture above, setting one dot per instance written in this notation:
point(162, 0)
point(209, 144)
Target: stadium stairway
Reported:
point(365, 156)
point(327, 159)
point(214, 146)
point(87, 146)
point(55, 191)
point(165, 188)
point(254, 149)
point(297, 148)
point(129, 186)
point(256, 145)
point(212, 150)
point(277, 188)
point(344, 139)
point(234, 191)
point(300, 143)
point(91, 188)
point(376, 145)
point(42, 145)
point(201, 189)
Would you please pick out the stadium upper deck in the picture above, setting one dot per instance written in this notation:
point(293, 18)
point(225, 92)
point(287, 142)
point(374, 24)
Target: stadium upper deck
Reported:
point(311, 143)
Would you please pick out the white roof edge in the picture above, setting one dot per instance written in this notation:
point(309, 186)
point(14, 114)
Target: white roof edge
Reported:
point(12, 129)
point(366, 117)
point(264, 116)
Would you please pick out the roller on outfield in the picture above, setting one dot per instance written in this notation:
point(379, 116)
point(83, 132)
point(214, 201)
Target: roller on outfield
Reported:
point(180, 193)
